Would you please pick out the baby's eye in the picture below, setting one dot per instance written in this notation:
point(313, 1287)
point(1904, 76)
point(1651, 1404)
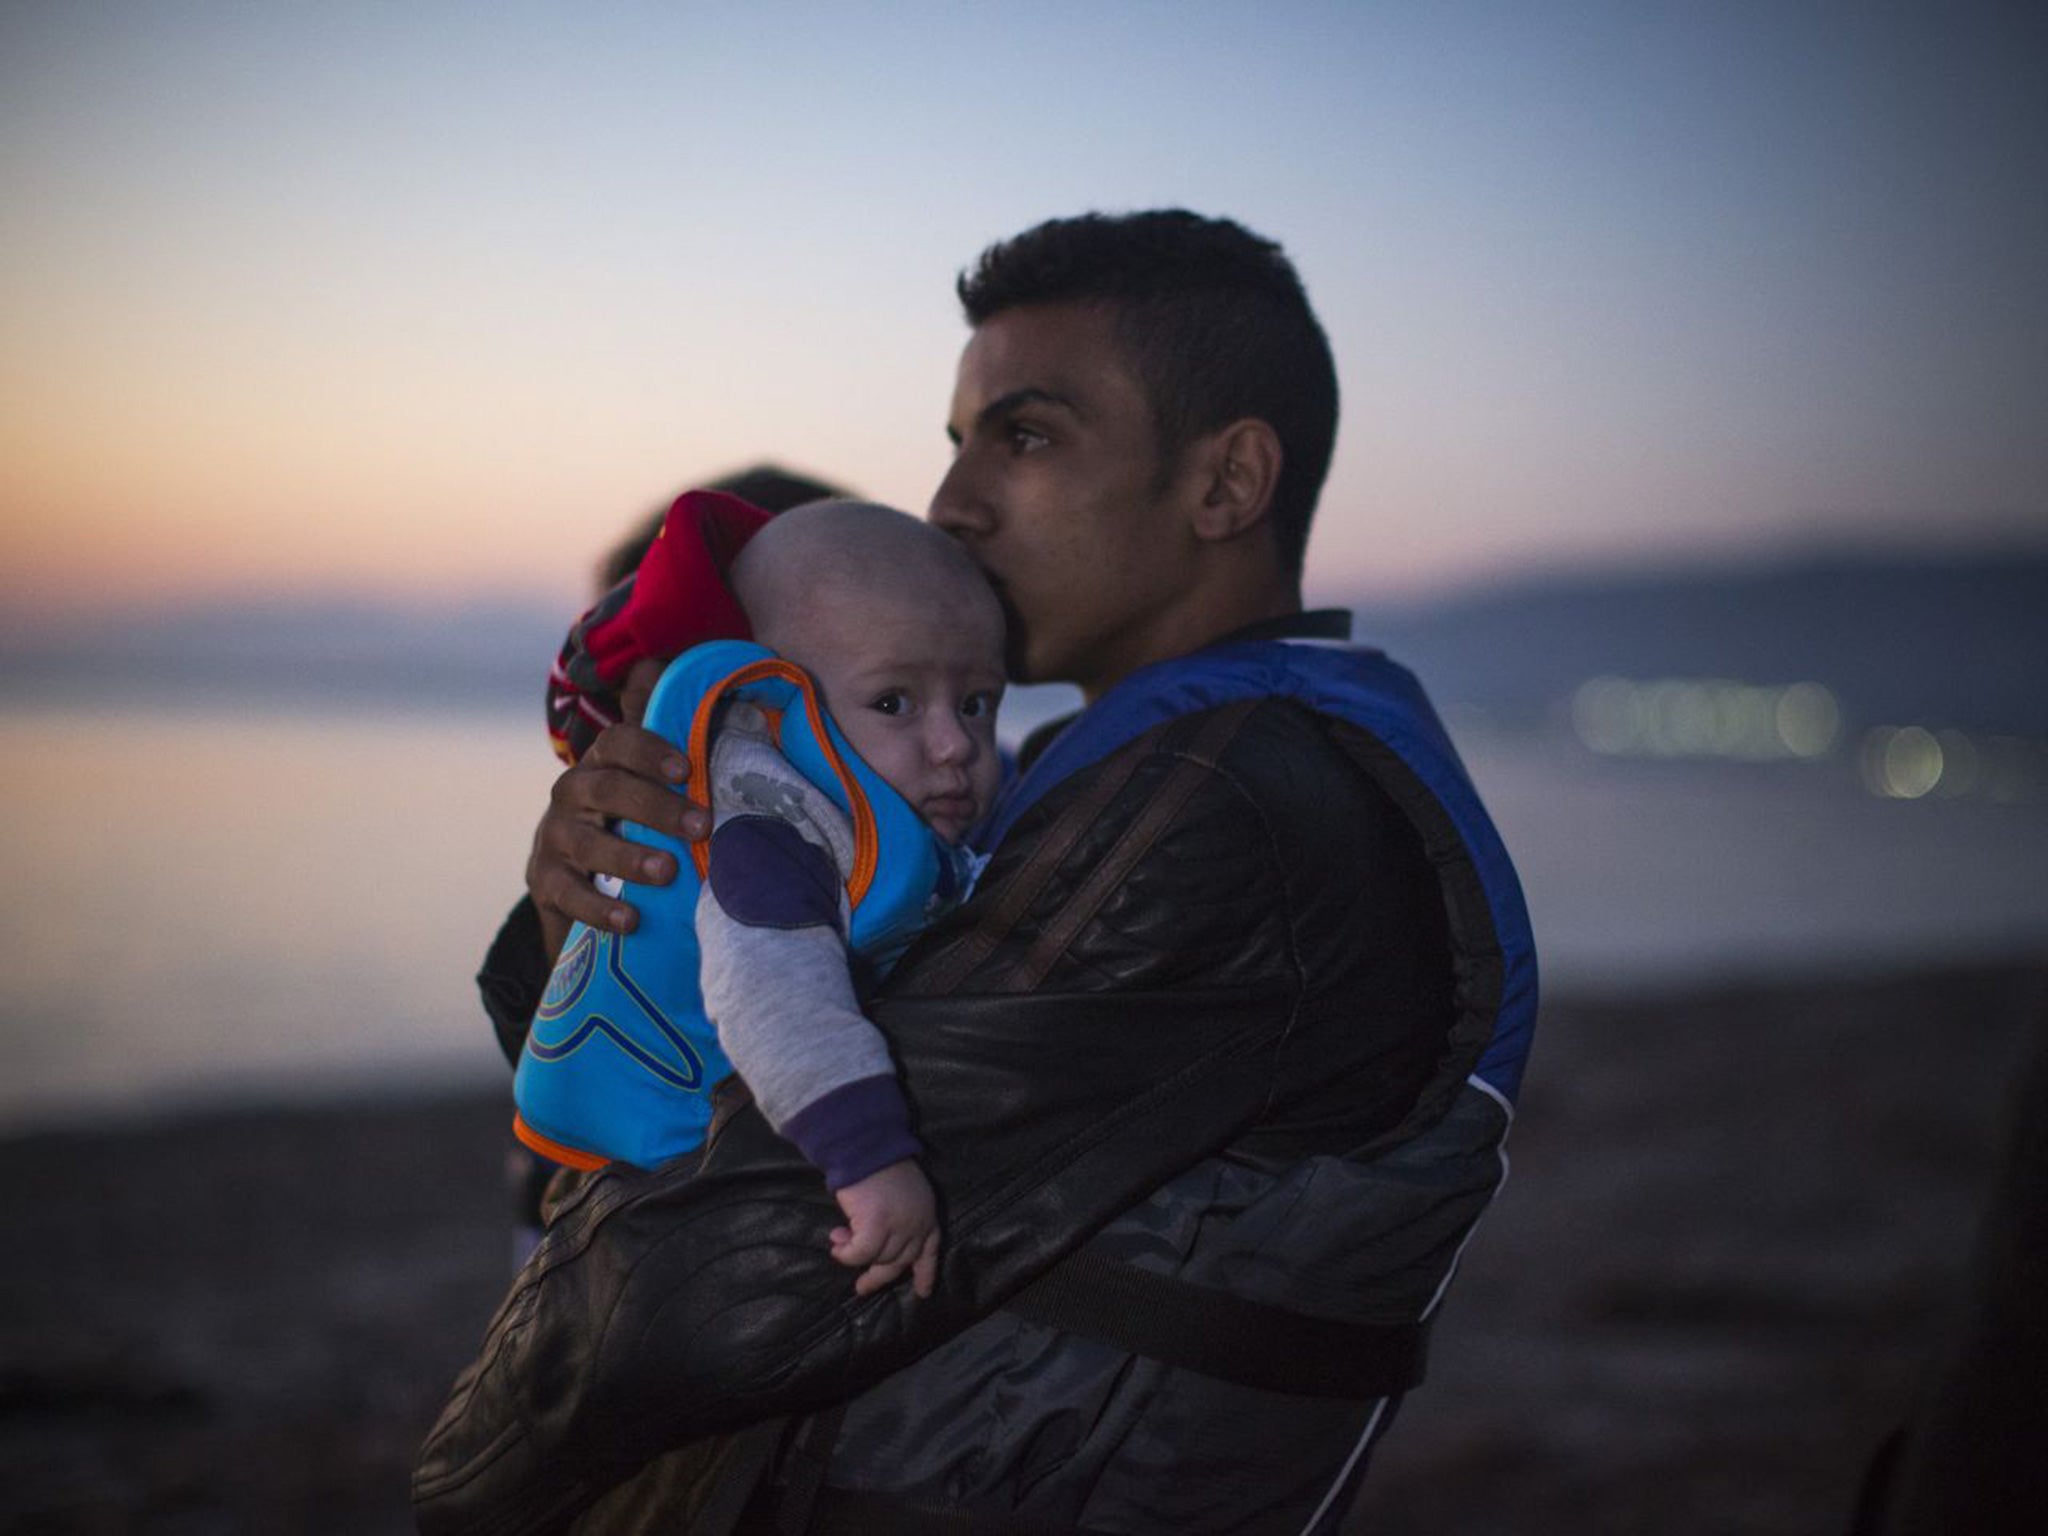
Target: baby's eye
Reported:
point(977, 706)
point(894, 702)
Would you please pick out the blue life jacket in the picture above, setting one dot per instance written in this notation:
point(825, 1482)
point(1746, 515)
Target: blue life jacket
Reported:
point(621, 1059)
point(1412, 759)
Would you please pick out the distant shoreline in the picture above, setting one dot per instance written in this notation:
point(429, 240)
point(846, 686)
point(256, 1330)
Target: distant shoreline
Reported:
point(429, 1086)
point(1930, 636)
point(452, 1096)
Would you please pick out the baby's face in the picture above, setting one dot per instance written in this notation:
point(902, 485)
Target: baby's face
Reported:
point(914, 687)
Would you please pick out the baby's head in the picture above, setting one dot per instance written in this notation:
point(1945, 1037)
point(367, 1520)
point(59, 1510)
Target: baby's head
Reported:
point(904, 637)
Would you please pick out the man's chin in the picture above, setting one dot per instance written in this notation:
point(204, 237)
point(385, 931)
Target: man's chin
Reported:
point(1017, 655)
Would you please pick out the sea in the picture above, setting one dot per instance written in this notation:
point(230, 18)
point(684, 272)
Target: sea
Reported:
point(208, 902)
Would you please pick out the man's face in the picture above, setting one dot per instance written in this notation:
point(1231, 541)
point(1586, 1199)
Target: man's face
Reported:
point(1055, 490)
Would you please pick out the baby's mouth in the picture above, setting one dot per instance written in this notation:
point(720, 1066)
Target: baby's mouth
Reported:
point(956, 806)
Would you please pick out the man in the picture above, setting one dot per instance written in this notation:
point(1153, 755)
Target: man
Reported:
point(1213, 1069)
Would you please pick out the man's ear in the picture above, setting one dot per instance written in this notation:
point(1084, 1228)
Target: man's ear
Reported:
point(1240, 467)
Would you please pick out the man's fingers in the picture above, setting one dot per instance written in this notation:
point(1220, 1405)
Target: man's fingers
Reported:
point(695, 822)
point(592, 848)
point(567, 853)
point(562, 890)
point(593, 795)
point(632, 747)
point(628, 774)
point(637, 751)
point(639, 687)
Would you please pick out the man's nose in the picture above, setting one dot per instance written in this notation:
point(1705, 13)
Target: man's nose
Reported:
point(957, 506)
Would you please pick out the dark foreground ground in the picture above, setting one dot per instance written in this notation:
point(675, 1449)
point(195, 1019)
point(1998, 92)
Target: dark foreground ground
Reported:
point(1733, 1232)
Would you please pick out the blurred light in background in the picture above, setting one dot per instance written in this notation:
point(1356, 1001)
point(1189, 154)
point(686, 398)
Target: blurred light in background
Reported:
point(1910, 762)
point(1807, 719)
point(1901, 762)
point(1680, 717)
point(1960, 764)
point(1698, 718)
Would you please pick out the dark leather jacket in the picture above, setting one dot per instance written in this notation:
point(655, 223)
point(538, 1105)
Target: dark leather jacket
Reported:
point(1204, 1012)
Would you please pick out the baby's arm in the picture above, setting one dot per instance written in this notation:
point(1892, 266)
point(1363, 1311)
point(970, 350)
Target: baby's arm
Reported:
point(771, 925)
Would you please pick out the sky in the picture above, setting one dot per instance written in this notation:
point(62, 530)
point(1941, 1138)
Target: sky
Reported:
point(427, 299)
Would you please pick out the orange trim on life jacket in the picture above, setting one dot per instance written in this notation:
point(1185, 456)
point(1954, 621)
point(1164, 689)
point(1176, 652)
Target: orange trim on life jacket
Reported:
point(553, 1150)
point(866, 840)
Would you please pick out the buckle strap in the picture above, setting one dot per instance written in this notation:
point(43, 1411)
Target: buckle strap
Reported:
point(803, 1471)
point(944, 971)
point(1218, 728)
point(1200, 1328)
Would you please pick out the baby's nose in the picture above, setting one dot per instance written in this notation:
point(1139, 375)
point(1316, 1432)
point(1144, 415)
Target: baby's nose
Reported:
point(947, 740)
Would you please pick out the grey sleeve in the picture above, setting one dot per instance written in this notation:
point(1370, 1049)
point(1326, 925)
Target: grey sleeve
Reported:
point(771, 923)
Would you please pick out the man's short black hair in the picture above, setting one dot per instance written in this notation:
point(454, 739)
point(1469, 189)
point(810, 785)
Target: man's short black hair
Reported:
point(1216, 325)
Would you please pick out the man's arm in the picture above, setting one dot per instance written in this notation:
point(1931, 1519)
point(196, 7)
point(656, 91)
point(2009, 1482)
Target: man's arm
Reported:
point(1044, 1115)
point(1121, 999)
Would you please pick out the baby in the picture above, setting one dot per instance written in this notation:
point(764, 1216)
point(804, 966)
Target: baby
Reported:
point(823, 862)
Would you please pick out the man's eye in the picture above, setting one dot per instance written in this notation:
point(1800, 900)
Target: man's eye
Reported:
point(1026, 439)
point(894, 702)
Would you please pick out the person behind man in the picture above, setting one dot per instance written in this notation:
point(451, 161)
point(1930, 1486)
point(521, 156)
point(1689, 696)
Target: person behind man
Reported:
point(1212, 1071)
point(748, 966)
point(765, 485)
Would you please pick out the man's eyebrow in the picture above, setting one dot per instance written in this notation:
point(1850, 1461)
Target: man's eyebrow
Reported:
point(1002, 405)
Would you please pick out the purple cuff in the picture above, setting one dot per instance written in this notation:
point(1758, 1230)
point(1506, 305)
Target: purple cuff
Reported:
point(855, 1130)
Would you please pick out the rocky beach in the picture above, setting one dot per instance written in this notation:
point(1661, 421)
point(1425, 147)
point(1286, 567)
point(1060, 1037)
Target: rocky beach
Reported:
point(1731, 1243)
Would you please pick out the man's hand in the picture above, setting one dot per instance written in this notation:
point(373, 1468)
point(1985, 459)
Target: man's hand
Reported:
point(629, 774)
point(892, 1226)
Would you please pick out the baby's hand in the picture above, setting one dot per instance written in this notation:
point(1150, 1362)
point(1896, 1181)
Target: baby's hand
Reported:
point(892, 1226)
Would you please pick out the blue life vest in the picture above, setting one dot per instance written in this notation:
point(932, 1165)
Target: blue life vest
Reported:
point(621, 1059)
point(1414, 761)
